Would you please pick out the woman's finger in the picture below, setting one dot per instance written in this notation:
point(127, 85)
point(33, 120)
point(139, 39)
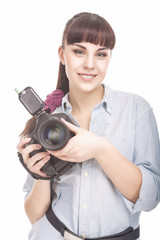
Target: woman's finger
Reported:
point(40, 164)
point(22, 142)
point(30, 162)
point(71, 126)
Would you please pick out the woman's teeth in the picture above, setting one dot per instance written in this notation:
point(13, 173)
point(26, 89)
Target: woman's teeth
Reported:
point(87, 77)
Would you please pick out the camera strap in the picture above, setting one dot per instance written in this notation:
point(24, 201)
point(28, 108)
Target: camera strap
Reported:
point(128, 234)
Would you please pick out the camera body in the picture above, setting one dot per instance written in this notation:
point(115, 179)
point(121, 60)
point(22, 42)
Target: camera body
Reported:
point(50, 132)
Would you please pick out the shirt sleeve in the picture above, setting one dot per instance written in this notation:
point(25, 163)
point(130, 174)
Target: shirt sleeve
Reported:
point(147, 158)
point(27, 187)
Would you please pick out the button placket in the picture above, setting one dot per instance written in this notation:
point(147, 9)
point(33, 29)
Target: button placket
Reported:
point(85, 173)
point(84, 197)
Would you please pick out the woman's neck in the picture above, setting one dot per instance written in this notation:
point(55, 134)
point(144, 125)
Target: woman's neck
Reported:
point(83, 101)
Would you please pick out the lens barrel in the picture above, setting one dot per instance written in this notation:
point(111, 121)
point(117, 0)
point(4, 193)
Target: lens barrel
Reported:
point(53, 134)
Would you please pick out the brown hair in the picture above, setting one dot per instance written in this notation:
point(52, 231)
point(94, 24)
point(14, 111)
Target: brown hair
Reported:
point(83, 27)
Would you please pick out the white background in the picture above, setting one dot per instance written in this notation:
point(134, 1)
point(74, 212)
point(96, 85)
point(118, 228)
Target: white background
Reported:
point(30, 33)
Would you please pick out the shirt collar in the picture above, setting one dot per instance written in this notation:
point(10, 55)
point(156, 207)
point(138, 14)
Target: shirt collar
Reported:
point(66, 106)
point(106, 101)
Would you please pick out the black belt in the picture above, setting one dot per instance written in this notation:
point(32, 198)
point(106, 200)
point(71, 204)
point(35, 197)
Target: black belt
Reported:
point(128, 234)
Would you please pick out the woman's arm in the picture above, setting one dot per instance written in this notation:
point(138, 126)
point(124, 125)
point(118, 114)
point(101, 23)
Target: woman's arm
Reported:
point(39, 199)
point(126, 176)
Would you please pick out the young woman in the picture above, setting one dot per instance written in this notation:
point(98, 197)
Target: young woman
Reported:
point(116, 147)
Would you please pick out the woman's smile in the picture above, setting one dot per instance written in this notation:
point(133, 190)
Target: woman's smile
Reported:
point(87, 77)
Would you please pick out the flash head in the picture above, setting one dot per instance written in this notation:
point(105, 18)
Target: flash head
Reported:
point(32, 102)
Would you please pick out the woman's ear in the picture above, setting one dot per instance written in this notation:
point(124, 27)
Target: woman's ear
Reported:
point(61, 55)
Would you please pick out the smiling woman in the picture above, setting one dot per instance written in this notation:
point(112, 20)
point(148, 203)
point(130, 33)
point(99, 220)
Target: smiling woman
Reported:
point(115, 146)
point(87, 28)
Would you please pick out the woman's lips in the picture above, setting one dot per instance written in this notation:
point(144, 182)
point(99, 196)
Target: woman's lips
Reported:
point(87, 77)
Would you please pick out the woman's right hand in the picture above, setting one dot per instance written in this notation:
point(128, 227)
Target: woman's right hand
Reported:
point(37, 161)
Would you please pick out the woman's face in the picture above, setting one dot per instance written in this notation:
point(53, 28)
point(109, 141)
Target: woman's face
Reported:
point(86, 65)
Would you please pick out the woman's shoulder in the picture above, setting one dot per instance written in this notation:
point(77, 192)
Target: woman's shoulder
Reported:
point(124, 99)
point(127, 96)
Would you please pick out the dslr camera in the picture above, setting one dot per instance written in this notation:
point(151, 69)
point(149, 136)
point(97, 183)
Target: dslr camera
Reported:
point(49, 131)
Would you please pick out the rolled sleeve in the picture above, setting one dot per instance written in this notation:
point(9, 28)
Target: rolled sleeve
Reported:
point(27, 187)
point(149, 194)
point(147, 158)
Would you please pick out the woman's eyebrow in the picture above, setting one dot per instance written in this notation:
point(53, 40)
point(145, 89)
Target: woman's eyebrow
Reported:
point(78, 45)
point(81, 46)
point(101, 49)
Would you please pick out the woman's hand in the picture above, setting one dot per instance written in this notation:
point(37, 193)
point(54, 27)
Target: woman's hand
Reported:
point(37, 161)
point(81, 147)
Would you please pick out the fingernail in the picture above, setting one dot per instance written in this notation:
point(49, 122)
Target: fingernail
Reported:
point(38, 146)
point(28, 139)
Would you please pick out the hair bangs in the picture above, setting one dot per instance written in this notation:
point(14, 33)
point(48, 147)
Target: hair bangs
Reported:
point(91, 28)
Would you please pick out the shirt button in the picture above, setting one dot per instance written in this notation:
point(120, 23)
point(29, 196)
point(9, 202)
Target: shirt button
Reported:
point(84, 235)
point(85, 174)
point(84, 205)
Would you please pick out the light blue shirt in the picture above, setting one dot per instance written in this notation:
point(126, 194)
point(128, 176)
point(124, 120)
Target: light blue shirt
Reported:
point(85, 199)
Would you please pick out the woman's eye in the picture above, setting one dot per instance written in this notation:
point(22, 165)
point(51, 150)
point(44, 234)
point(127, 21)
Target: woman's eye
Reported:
point(102, 55)
point(79, 52)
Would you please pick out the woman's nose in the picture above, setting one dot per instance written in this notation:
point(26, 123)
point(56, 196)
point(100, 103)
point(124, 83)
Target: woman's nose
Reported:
point(89, 62)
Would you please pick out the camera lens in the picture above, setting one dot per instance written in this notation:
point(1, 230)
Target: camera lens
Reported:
point(53, 134)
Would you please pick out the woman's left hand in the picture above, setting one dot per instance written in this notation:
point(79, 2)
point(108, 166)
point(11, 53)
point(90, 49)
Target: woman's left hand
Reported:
point(83, 146)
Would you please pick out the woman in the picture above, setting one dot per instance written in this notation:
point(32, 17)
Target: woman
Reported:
point(116, 147)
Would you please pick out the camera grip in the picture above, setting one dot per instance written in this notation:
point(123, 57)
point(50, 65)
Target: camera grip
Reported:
point(34, 175)
point(53, 168)
point(48, 167)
